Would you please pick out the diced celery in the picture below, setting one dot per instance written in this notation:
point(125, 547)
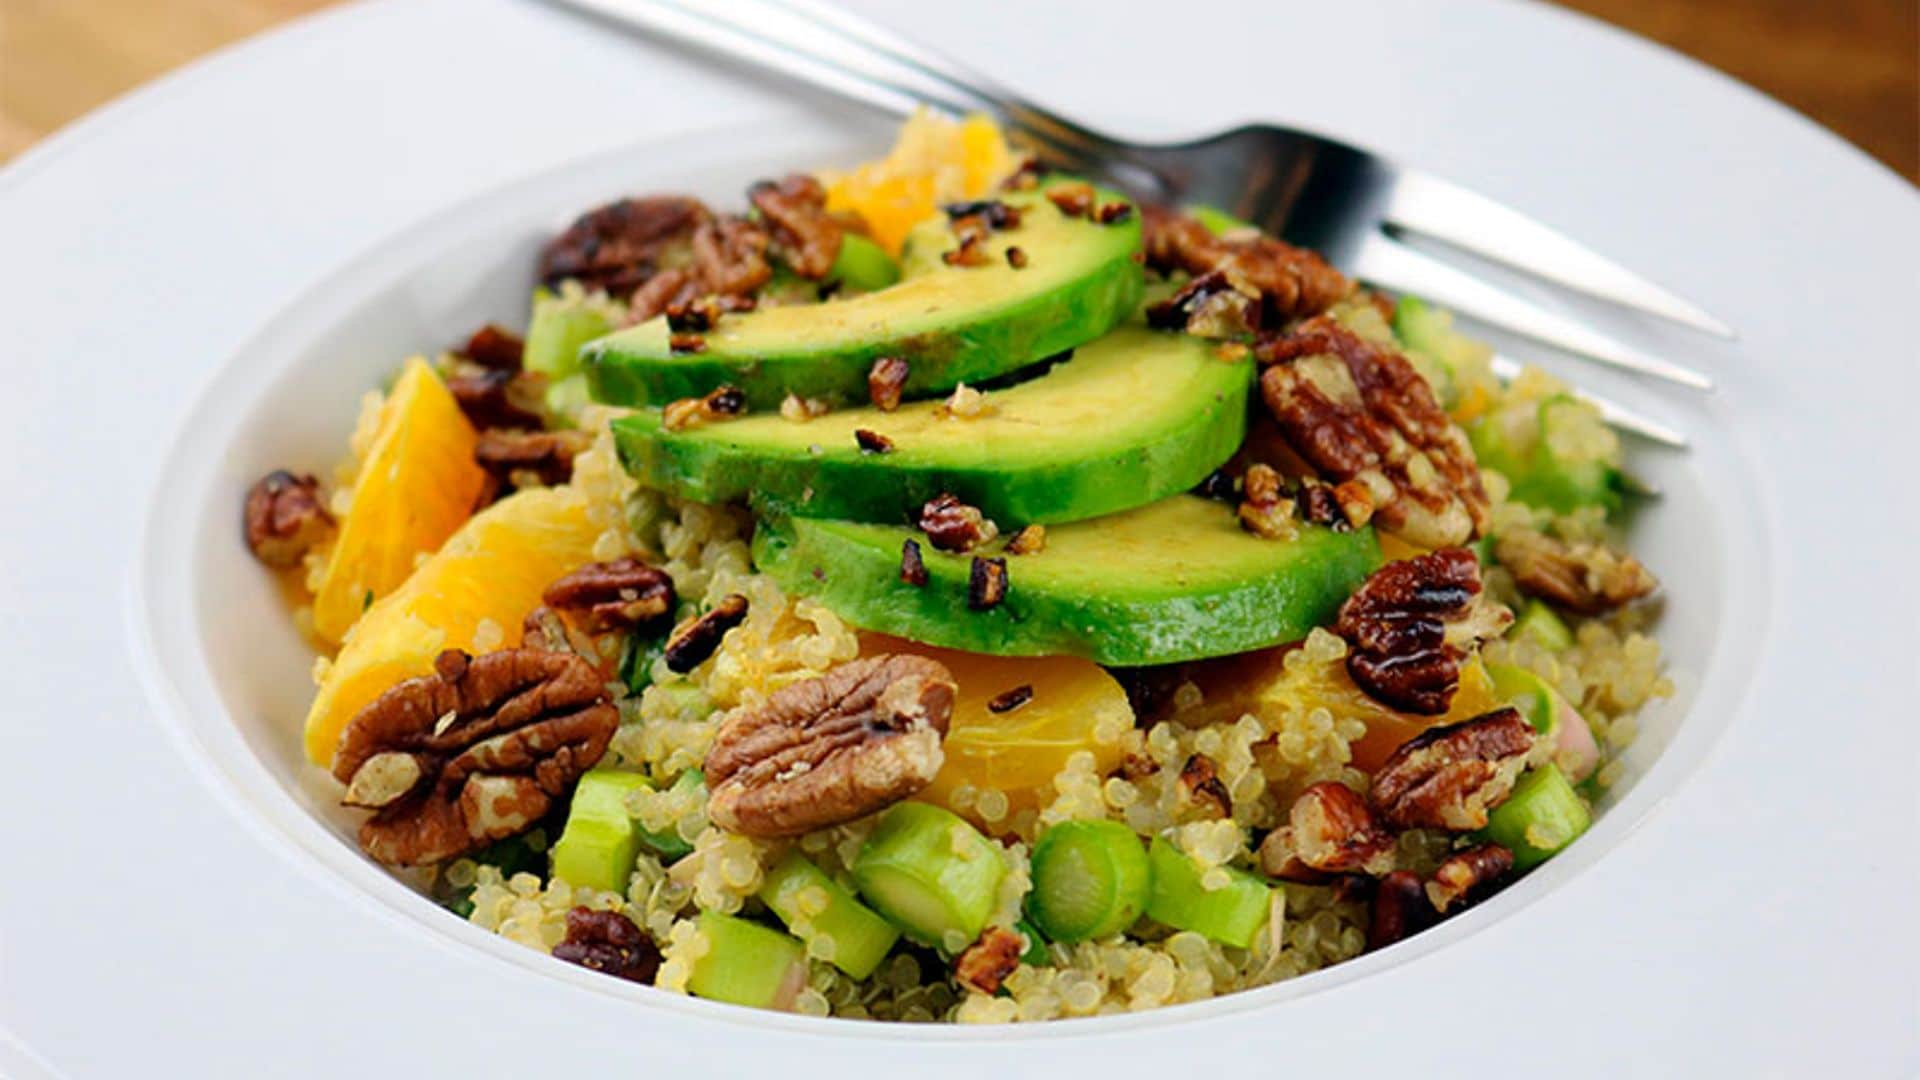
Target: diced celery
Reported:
point(931, 874)
point(1542, 816)
point(1540, 623)
point(817, 910)
point(1231, 914)
point(1090, 879)
point(600, 843)
point(748, 964)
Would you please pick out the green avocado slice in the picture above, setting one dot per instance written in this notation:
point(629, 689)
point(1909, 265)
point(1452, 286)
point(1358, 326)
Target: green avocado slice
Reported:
point(1173, 580)
point(952, 324)
point(1135, 416)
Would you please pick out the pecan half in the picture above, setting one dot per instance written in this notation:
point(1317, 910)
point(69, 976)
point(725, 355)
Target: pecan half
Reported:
point(885, 382)
point(952, 525)
point(477, 751)
point(985, 964)
point(1329, 830)
point(617, 595)
point(1448, 777)
point(827, 750)
point(495, 347)
point(805, 236)
point(1291, 282)
point(619, 246)
point(547, 456)
point(1411, 625)
point(610, 943)
point(1200, 784)
point(284, 518)
point(1584, 577)
point(1400, 910)
point(692, 643)
point(1356, 410)
point(1466, 877)
point(498, 398)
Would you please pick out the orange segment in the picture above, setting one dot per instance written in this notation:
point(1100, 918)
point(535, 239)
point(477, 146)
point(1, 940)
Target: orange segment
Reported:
point(1018, 753)
point(489, 575)
point(417, 485)
point(933, 161)
point(1260, 683)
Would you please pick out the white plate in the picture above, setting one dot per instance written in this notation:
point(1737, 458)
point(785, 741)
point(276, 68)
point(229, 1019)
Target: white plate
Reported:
point(263, 234)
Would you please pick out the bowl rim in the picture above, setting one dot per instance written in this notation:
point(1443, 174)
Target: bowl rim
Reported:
point(177, 681)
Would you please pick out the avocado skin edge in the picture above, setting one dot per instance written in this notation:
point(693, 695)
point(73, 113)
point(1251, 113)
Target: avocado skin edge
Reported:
point(1132, 624)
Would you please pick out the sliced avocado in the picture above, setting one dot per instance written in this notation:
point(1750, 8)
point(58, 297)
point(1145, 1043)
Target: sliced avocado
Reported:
point(1133, 417)
point(1173, 580)
point(951, 324)
point(862, 266)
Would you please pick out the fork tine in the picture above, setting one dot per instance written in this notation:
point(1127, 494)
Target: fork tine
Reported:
point(1384, 262)
point(1506, 369)
point(1443, 210)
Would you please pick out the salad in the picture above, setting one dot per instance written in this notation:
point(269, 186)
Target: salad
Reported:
point(949, 590)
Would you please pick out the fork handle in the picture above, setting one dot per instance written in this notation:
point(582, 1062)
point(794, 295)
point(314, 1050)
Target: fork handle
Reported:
point(826, 46)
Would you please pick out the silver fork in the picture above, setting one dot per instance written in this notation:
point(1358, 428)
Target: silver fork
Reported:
point(1344, 202)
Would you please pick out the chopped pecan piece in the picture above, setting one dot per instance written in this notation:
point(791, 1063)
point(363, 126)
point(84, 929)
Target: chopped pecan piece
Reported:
point(885, 382)
point(1214, 305)
point(686, 344)
point(1583, 577)
point(1074, 200)
point(616, 595)
point(1011, 700)
point(1356, 410)
point(1292, 282)
point(972, 232)
point(703, 313)
point(1400, 910)
point(994, 213)
point(608, 942)
point(1113, 213)
point(1200, 785)
point(913, 568)
point(805, 236)
point(730, 255)
point(1466, 877)
point(692, 643)
point(513, 456)
point(986, 583)
point(1017, 257)
point(494, 346)
point(872, 442)
point(1030, 540)
point(952, 525)
point(827, 750)
point(498, 398)
point(1319, 504)
point(1411, 625)
point(1330, 830)
point(721, 404)
point(1264, 511)
point(1449, 777)
point(284, 518)
point(985, 964)
point(800, 410)
point(475, 752)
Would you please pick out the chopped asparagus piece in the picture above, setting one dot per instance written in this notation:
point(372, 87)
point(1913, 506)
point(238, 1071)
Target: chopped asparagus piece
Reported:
point(600, 842)
point(1090, 879)
point(836, 927)
point(1231, 914)
point(931, 874)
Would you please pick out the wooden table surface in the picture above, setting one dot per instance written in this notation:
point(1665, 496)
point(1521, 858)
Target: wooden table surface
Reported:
point(1853, 65)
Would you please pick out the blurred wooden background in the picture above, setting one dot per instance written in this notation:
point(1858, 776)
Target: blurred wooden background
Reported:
point(1853, 65)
